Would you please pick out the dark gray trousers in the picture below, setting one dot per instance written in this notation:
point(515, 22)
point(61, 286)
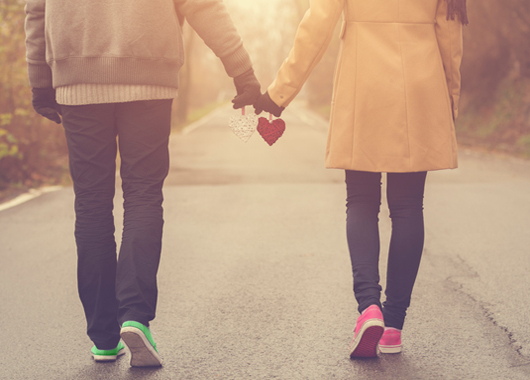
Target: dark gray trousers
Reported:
point(114, 290)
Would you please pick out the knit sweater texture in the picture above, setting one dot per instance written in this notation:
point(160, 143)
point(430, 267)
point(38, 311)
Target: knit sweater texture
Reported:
point(90, 93)
point(137, 46)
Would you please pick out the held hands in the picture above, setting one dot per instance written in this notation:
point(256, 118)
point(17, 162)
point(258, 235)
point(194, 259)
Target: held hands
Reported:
point(248, 89)
point(265, 103)
point(271, 130)
point(44, 103)
point(249, 93)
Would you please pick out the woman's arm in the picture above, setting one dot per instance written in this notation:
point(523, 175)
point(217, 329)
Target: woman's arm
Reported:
point(449, 35)
point(310, 44)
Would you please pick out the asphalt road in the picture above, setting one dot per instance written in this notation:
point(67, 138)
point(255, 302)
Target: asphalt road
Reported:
point(255, 278)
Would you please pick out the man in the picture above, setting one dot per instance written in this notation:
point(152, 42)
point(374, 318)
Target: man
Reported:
point(111, 68)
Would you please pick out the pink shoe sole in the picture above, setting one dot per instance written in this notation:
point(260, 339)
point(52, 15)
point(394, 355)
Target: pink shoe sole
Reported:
point(364, 345)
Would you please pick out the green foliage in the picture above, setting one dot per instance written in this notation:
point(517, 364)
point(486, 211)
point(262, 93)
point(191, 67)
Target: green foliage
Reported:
point(32, 149)
point(8, 142)
point(524, 143)
point(503, 124)
point(495, 104)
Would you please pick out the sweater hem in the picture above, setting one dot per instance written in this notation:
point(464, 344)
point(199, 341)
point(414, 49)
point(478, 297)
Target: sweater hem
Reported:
point(115, 70)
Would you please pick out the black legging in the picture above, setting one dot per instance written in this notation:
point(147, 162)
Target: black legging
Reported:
point(405, 201)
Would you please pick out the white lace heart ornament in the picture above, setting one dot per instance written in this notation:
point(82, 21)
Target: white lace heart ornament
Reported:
point(244, 126)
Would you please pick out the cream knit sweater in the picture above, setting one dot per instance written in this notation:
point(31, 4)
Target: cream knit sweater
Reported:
point(80, 94)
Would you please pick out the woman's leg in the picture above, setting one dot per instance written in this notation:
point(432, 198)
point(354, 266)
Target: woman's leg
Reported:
point(363, 203)
point(405, 201)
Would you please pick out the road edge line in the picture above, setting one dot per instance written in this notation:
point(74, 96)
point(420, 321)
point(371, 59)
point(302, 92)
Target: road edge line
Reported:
point(31, 194)
point(199, 123)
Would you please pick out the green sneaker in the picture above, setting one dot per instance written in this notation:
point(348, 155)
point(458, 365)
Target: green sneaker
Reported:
point(108, 355)
point(138, 339)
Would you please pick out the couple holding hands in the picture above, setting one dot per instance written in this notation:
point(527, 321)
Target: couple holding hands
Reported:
point(109, 69)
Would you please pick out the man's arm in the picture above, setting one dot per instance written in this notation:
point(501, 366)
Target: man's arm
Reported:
point(40, 74)
point(211, 21)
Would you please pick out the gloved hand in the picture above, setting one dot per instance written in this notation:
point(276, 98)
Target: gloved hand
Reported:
point(248, 89)
point(44, 103)
point(265, 103)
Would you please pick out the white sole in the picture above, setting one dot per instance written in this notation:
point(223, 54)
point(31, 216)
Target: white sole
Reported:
point(108, 358)
point(390, 349)
point(368, 324)
point(143, 353)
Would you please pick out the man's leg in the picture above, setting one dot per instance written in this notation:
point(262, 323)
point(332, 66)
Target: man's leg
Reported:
point(91, 139)
point(143, 129)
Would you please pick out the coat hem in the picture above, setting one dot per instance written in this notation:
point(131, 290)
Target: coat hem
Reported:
point(372, 170)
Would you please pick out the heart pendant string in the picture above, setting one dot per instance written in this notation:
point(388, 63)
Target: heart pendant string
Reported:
point(243, 111)
point(270, 116)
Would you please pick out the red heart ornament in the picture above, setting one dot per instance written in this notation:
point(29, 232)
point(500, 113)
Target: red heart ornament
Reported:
point(271, 131)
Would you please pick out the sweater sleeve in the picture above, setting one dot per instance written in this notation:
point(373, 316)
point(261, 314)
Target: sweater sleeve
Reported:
point(450, 43)
point(211, 21)
point(40, 74)
point(311, 41)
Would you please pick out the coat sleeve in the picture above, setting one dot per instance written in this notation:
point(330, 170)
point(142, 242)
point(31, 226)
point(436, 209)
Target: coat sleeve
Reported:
point(450, 43)
point(40, 74)
point(311, 41)
point(211, 21)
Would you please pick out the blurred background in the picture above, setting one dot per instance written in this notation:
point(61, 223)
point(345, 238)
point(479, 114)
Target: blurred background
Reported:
point(495, 104)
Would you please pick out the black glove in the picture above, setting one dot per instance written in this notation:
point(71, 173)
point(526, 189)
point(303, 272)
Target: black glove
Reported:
point(44, 103)
point(265, 103)
point(248, 89)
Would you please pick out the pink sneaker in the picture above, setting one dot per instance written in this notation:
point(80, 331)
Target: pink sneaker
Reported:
point(368, 331)
point(390, 342)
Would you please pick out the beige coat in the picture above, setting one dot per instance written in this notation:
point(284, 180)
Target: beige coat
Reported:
point(396, 87)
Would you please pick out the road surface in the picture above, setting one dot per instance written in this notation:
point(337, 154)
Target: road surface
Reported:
point(255, 278)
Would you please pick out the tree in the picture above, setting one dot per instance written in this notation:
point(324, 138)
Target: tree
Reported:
point(32, 149)
point(495, 105)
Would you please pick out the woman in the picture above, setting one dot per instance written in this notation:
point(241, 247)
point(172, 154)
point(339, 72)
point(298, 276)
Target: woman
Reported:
point(396, 93)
